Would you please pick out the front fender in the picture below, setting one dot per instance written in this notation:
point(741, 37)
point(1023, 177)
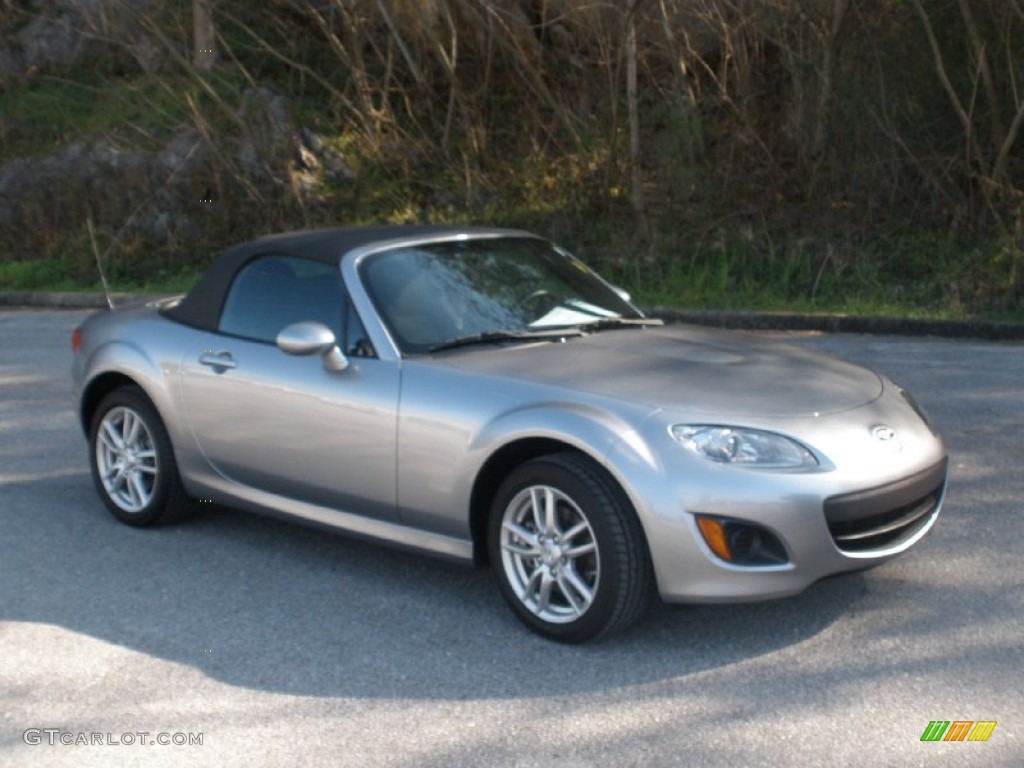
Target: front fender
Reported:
point(586, 428)
point(458, 429)
point(522, 433)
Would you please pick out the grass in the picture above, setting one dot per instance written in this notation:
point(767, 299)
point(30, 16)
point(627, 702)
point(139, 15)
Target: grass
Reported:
point(37, 275)
point(52, 274)
point(699, 280)
point(945, 280)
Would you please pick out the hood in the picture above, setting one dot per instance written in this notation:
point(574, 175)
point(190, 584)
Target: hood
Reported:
point(685, 368)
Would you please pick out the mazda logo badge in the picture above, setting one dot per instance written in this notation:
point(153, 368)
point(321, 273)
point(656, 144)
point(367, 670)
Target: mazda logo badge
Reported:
point(883, 434)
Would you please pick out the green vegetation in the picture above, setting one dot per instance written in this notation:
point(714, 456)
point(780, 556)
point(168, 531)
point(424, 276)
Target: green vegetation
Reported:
point(51, 111)
point(51, 274)
point(38, 275)
point(704, 278)
point(939, 279)
point(778, 155)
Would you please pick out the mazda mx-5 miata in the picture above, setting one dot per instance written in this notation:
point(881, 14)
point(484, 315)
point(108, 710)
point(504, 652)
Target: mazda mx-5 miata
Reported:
point(482, 394)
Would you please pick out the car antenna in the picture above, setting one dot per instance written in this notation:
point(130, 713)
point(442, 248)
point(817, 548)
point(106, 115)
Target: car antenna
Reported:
point(99, 264)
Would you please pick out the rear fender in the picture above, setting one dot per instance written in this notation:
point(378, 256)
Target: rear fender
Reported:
point(126, 360)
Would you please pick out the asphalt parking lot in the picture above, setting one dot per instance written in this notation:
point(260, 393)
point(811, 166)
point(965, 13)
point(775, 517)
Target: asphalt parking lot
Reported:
point(282, 645)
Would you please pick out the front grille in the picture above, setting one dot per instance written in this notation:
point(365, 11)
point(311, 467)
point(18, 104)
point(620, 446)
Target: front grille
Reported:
point(883, 517)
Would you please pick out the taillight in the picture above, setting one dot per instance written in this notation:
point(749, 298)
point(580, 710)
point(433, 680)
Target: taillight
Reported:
point(76, 339)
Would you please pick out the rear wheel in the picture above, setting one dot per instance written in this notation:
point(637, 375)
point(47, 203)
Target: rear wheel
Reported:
point(133, 465)
point(568, 550)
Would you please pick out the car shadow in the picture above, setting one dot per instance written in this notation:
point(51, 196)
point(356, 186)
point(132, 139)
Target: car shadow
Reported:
point(270, 605)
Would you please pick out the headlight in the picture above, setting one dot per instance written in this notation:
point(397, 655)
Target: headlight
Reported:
point(744, 447)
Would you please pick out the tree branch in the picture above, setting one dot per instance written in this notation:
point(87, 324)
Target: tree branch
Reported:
point(940, 70)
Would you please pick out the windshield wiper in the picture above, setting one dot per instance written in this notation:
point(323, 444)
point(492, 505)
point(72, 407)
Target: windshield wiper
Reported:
point(619, 322)
point(488, 337)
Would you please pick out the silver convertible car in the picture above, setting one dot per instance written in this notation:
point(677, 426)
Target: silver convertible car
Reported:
point(481, 394)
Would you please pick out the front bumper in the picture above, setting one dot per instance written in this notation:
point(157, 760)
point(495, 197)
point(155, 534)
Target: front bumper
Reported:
point(872, 504)
point(888, 518)
point(848, 532)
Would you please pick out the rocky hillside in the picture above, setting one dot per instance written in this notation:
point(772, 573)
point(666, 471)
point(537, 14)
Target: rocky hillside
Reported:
point(813, 146)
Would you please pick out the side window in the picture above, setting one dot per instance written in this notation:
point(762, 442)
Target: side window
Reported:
point(273, 292)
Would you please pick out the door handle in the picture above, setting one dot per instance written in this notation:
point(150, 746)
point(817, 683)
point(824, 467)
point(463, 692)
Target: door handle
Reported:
point(222, 360)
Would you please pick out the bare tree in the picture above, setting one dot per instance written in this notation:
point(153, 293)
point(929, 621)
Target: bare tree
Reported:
point(636, 195)
point(204, 54)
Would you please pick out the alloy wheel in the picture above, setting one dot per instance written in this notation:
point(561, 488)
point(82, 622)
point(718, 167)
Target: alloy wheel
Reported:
point(549, 554)
point(126, 459)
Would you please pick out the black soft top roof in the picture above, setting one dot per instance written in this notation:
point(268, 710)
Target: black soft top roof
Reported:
point(202, 305)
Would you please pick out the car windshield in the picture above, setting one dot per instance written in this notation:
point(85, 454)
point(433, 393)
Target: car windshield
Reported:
point(484, 290)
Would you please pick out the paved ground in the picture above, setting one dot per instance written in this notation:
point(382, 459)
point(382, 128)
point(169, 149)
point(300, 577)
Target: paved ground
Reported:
point(284, 646)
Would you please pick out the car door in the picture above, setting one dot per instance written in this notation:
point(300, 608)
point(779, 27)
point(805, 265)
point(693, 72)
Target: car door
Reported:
point(284, 424)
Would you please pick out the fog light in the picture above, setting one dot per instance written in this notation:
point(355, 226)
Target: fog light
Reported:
point(741, 543)
point(744, 541)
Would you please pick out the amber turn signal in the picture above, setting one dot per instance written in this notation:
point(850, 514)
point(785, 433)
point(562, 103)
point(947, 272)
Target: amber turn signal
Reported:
point(714, 534)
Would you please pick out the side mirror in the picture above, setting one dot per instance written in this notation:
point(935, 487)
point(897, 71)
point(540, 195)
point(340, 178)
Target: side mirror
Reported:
point(312, 338)
point(623, 293)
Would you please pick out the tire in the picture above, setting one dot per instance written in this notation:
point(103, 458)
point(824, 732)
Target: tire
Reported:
point(589, 557)
point(132, 461)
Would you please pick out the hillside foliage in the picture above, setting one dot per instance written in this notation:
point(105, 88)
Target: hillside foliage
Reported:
point(780, 153)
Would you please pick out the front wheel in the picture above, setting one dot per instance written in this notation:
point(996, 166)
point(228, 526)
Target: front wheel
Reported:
point(568, 550)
